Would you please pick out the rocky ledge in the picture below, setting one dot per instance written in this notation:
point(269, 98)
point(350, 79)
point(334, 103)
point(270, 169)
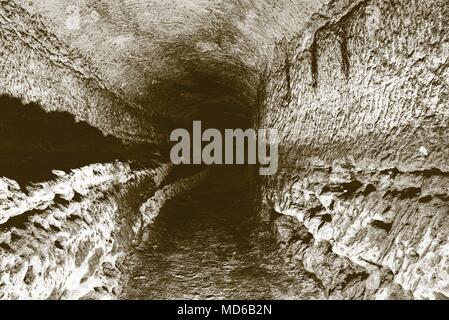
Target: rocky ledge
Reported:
point(368, 233)
point(66, 238)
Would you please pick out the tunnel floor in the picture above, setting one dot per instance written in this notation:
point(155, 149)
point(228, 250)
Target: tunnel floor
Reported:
point(204, 245)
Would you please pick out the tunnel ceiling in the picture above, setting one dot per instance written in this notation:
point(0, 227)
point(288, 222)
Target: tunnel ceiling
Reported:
point(179, 59)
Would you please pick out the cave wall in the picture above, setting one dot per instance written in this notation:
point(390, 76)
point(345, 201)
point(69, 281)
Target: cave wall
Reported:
point(361, 196)
point(358, 93)
point(37, 66)
point(66, 238)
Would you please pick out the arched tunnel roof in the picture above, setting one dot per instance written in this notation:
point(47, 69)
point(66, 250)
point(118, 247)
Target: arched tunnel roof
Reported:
point(174, 60)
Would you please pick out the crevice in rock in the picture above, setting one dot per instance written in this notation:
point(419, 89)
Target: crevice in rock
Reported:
point(382, 225)
point(343, 38)
point(34, 143)
point(314, 62)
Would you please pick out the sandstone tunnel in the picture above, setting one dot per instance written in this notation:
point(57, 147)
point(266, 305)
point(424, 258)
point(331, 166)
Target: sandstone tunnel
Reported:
point(357, 89)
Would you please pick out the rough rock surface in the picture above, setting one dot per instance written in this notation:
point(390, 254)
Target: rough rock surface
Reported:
point(38, 67)
point(65, 238)
point(360, 101)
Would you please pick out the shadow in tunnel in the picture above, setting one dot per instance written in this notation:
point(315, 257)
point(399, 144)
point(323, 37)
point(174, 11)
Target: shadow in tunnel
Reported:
point(33, 142)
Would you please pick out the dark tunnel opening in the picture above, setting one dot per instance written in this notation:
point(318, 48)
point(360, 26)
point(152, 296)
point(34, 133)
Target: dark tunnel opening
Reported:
point(215, 88)
point(34, 142)
point(218, 91)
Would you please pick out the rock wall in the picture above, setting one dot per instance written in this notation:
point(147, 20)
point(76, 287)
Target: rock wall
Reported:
point(66, 238)
point(37, 67)
point(360, 101)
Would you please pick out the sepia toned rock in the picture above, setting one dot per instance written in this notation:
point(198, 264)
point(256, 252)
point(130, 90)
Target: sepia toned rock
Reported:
point(90, 205)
